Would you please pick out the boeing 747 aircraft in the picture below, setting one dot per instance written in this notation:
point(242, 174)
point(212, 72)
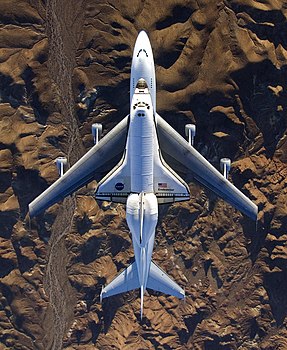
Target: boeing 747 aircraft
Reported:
point(142, 179)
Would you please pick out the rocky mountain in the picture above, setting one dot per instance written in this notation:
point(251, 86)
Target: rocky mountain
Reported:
point(65, 65)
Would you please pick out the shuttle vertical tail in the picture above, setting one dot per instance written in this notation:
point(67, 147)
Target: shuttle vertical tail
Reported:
point(142, 300)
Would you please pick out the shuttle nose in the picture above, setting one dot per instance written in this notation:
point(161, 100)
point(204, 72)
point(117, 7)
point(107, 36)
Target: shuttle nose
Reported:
point(143, 34)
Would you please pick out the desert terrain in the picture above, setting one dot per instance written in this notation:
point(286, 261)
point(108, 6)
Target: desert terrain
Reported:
point(219, 64)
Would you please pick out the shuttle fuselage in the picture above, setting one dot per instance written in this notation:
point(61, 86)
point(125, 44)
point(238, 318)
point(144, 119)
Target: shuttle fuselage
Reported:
point(142, 205)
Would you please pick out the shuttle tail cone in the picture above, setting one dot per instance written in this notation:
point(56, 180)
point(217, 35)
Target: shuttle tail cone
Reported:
point(142, 216)
point(97, 132)
point(142, 297)
point(190, 130)
point(225, 165)
point(61, 163)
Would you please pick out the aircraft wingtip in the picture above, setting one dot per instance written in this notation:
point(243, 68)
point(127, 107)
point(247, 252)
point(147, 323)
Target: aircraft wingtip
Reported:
point(27, 220)
point(31, 211)
point(101, 295)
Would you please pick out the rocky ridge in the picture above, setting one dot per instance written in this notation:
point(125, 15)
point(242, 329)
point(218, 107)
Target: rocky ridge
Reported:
point(63, 66)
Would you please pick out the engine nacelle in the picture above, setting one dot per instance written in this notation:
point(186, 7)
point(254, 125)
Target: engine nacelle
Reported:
point(97, 132)
point(225, 166)
point(190, 130)
point(142, 216)
point(62, 164)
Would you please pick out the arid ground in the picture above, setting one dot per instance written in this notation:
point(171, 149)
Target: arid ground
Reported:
point(65, 64)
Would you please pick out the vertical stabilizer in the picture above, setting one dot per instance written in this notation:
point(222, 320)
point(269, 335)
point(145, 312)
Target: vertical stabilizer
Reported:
point(141, 216)
point(142, 299)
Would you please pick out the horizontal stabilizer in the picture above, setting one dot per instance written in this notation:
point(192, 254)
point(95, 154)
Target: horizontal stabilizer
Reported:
point(124, 282)
point(158, 280)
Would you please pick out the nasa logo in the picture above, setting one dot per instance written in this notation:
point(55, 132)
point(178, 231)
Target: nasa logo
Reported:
point(119, 186)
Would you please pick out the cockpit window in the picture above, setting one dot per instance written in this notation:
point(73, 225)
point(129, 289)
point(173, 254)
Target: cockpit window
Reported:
point(141, 84)
point(141, 51)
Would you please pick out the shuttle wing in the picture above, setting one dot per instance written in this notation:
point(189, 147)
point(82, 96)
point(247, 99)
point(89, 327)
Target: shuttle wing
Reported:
point(97, 161)
point(178, 148)
point(116, 185)
point(168, 186)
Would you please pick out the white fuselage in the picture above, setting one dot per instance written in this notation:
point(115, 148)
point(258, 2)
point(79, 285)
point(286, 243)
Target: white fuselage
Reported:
point(143, 67)
point(141, 142)
point(142, 205)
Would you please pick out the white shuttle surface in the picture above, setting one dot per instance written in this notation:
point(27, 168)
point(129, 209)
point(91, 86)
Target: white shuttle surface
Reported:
point(142, 179)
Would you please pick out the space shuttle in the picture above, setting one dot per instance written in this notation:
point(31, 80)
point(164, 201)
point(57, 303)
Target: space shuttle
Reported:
point(131, 161)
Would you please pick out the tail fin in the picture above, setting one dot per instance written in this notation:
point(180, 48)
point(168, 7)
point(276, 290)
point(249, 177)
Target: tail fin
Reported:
point(158, 280)
point(142, 298)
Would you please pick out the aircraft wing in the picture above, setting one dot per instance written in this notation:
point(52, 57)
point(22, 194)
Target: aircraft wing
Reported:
point(97, 160)
point(178, 148)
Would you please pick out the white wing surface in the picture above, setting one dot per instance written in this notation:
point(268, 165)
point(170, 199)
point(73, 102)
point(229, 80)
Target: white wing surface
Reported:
point(168, 186)
point(178, 148)
point(116, 185)
point(98, 160)
point(125, 281)
point(158, 280)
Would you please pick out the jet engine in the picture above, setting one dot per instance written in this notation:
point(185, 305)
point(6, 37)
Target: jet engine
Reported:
point(225, 166)
point(97, 132)
point(62, 164)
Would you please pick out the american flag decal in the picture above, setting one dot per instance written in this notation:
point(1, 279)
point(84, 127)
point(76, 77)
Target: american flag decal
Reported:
point(162, 185)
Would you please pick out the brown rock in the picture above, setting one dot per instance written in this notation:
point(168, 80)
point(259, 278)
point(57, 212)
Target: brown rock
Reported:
point(219, 65)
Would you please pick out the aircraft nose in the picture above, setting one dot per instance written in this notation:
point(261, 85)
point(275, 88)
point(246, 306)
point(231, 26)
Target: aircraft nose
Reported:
point(143, 38)
point(143, 34)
